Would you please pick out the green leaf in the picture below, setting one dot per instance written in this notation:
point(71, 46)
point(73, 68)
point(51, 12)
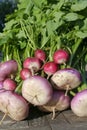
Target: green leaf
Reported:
point(81, 5)
point(58, 15)
point(39, 3)
point(81, 34)
point(21, 34)
point(71, 17)
point(22, 44)
point(84, 27)
point(9, 24)
point(51, 27)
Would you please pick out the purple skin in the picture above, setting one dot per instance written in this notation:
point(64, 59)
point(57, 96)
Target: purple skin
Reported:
point(40, 54)
point(79, 104)
point(59, 101)
point(7, 68)
point(50, 68)
point(60, 56)
point(1, 84)
point(74, 71)
point(32, 63)
point(25, 73)
point(67, 78)
point(9, 84)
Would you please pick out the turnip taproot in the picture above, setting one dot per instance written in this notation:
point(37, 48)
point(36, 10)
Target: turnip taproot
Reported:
point(60, 56)
point(67, 78)
point(37, 90)
point(79, 103)
point(7, 68)
point(13, 105)
point(58, 102)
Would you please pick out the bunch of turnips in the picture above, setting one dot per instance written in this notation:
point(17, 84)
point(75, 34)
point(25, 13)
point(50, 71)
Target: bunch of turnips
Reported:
point(43, 84)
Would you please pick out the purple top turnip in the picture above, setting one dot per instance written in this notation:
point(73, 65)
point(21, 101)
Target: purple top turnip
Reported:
point(13, 105)
point(40, 54)
point(37, 90)
point(25, 73)
point(50, 68)
point(79, 103)
point(7, 68)
point(32, 63)
point(60, 56)
point(9, 84)
point(1, 84)
point(58, 102)
point(67, 78)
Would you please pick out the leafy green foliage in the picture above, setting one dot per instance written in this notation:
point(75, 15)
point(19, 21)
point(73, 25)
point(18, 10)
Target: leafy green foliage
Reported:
point(48, 25)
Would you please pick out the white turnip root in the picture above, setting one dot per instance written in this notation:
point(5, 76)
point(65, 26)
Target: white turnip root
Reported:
point(58, 102)
point(8, 68)
point(66, 79)
point(37, 90)
point(79, 104)
point(13, 105)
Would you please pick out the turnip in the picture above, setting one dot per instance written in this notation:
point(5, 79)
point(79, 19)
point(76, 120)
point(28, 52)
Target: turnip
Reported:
point(13, 105)
point(37, 90)
point(32, 63)
point(60, 56)
point(25, 73)
point(79, 103)
point(9, 84)
point(58, 102)
point(1, 84)
point(8, 68)
point(40, 54)
point(50, 68)
point(66, 79)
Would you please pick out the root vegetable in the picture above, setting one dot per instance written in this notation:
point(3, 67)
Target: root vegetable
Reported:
point(60, 56)
point(32, 63)
point(7, 68)
point(79, 104)
point(9, 84)
point(13, 105)
point(37, 90)
point(25, 73)
point(1, 84)
point(50, 68)
point(58, 102)
point(40, 54)
point(66, 79)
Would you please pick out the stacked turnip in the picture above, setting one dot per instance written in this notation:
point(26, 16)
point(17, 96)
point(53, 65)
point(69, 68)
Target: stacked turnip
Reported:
point(49, 92)
point(11, 103)
point(44, 84)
